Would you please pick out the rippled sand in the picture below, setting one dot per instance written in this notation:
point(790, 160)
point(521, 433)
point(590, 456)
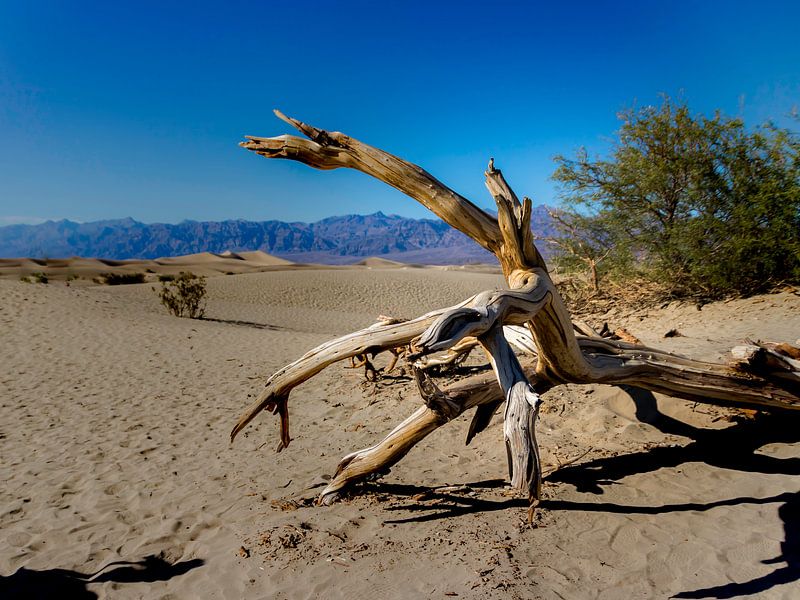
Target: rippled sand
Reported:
point(114, 447)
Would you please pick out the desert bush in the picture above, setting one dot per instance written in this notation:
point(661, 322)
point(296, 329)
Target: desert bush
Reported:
point(585, 301)
point(36, 277)
point(121, 278)
point(703, 206)
point(184, 295)
point(163, 278)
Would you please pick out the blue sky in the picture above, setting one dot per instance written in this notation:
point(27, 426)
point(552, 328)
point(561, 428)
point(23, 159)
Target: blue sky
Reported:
point(117, 109)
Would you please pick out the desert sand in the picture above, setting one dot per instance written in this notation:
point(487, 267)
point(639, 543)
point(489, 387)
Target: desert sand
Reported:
point(202, 263)
point(114, 447)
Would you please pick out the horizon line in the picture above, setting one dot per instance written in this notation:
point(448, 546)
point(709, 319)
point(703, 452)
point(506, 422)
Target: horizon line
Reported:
point(15, 221)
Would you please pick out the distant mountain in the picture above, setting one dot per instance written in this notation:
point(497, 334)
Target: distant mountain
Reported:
point(335, 240)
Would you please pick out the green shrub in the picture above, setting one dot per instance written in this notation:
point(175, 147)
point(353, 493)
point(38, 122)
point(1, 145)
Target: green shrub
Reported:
point(37, 277)
point(121, 278)
point(184, 296)
point(705, 207)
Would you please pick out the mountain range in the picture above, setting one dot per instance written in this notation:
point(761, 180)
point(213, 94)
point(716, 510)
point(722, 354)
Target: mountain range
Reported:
point(335, 240)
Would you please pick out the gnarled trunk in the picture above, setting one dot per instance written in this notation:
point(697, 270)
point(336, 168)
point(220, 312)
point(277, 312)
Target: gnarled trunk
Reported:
point(763, 376)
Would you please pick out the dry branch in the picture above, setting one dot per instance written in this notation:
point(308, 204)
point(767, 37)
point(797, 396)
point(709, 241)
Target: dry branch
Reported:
point(333, 150)
point(764, 377)
point(478, 390)
point(371, 340)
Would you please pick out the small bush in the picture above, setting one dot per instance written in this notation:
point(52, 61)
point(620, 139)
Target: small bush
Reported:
point(704, 207)
point(184, 296)
point(163, 278)
point(37, 277)
point(72, 277)
point(121, 278)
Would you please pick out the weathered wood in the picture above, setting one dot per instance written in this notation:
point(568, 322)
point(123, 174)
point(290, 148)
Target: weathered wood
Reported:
point(458, 398)
point(381, 336)
point(522, 406)
point(386, 335)
point(766, 378)
point(618, 362)
point(333, 150)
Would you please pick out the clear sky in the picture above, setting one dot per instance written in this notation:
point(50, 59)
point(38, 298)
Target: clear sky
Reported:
point(115, 109)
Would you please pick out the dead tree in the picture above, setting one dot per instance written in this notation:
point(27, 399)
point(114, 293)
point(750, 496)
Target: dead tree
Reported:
point(761, 377)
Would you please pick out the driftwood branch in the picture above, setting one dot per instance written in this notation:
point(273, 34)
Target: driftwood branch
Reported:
point(478, 390)
point(373, 339)
point(334, 150)
point(530, 314)
point(522, 407)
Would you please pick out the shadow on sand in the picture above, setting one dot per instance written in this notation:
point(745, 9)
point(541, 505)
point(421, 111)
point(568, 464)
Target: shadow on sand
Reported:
point(241, 323)
point(448, 505)
point(731, 448)
point(72, 585)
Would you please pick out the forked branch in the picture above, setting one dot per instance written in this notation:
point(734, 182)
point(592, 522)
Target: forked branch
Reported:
point(334, 150)
point(763, 378)
point(373, 339)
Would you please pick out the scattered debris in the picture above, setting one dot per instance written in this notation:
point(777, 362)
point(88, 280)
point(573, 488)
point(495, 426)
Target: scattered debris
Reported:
point(626, 336)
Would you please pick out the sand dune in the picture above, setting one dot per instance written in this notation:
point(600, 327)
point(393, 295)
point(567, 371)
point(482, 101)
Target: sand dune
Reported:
point(77, 261)
point(88, 269)
point(380, 263)
point(83, 271)
point(199, 258)
point(259, 257)
point(256, 257)
point(114, 444)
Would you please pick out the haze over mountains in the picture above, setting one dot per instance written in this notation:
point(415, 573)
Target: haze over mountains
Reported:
point(335, 240)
